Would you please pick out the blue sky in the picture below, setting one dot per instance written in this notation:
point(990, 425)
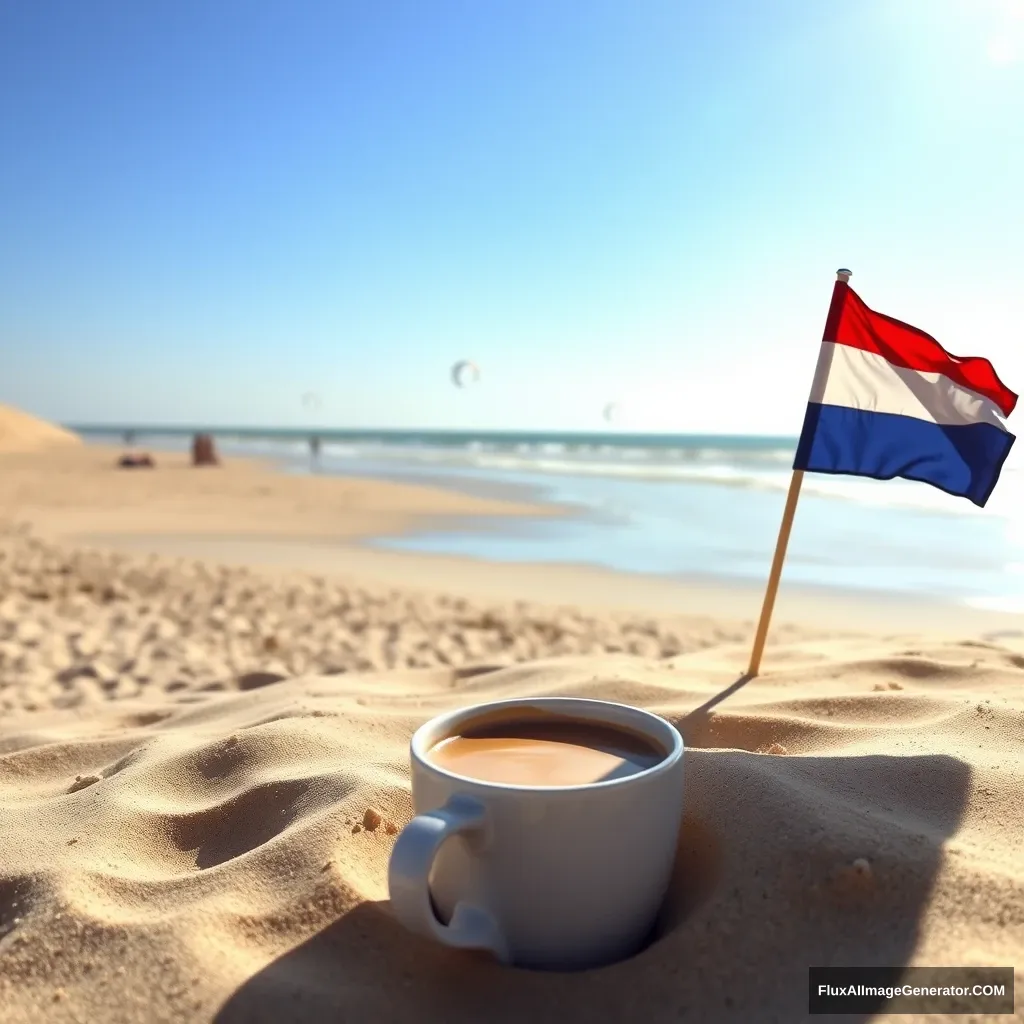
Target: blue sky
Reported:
point(208, 209)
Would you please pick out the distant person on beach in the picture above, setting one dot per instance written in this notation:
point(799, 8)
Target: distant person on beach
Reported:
point(314, 451)
point(136, 460)
point(204, 452)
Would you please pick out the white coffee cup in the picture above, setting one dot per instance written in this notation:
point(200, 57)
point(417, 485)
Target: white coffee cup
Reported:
point(562, 877)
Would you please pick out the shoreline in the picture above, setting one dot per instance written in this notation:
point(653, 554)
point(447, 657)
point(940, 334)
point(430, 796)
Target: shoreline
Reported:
point(252, 512)
point(590, 588)
point(855, 550)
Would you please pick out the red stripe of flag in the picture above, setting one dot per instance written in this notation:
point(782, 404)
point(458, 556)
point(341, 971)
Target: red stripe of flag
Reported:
point(851, 323)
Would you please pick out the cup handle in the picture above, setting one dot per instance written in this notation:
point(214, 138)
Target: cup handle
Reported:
point(471, 927)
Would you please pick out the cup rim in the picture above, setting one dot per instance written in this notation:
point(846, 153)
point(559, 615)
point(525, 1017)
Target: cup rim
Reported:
point(426, 735)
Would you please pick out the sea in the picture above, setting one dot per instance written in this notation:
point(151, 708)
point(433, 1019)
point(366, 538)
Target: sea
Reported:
point(670, 504)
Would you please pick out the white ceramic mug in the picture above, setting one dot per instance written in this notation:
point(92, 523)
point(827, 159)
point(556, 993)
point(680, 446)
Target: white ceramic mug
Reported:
point(561, 877)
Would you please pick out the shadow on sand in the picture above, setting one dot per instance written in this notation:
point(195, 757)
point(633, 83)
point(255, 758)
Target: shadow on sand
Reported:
point(763, 889)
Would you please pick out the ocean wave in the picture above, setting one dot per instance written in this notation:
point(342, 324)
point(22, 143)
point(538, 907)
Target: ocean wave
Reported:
point(742, 473)
point(759, 464)
point(596, 458)
point(763, 469)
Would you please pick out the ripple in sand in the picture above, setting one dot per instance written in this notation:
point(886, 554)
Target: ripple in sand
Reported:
point(17, 898)
point(240, 825)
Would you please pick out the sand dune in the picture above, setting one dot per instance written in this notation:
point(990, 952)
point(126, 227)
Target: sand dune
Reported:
point(208, 849)
point(22, 432)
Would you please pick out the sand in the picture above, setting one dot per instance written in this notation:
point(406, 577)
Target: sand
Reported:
point(22, 432)
point(203, 767)
point(73, 491)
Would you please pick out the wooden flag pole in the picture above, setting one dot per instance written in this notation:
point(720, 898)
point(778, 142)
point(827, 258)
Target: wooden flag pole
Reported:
point(773, 577)
point(782, 543)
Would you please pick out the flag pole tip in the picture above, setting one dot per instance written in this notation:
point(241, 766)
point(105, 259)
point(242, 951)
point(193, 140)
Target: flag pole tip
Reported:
point(842, 274)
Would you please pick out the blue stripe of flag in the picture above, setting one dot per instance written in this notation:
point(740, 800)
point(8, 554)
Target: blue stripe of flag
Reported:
point(964, 461)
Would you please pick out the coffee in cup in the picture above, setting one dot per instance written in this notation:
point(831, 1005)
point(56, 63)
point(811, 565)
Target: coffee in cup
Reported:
point(542, 750)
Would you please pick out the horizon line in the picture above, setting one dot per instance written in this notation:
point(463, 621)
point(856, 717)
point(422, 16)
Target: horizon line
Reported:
point(305, 430)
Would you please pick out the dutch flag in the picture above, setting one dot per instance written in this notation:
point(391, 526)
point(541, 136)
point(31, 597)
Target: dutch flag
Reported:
point(889, 401)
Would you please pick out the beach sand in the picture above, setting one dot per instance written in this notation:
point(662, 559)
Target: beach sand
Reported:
point(203, 766)
point(22, 432)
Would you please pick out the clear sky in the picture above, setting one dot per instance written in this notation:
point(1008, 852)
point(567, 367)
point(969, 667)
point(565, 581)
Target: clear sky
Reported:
point(210, 208)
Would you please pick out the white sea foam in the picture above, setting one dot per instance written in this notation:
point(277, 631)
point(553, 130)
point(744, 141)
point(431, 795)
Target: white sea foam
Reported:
point(767, 470)
point(1014, 604)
